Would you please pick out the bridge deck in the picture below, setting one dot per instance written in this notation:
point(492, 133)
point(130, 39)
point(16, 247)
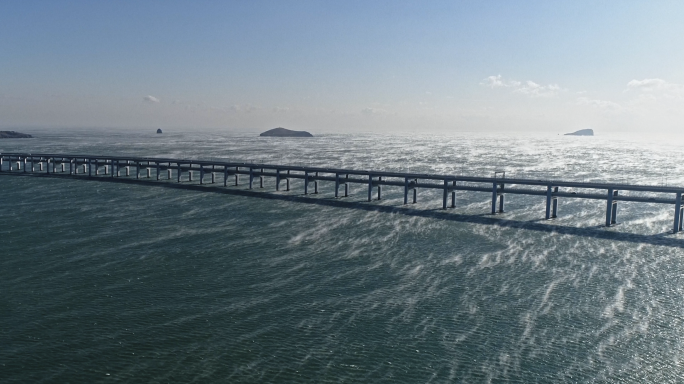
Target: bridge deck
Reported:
point(497, 186)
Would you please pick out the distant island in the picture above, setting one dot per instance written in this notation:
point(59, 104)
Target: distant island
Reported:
point(282, 132)
point(581, 132)
point(14, 135)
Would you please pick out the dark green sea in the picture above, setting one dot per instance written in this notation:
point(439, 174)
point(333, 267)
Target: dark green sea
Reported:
point(104, 281)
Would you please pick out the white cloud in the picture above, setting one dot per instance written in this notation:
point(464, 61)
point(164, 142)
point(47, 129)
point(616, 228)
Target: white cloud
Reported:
point(150, 99)
point(497, 81)
point(529, 88)
point(600, 104)
point(657, 86)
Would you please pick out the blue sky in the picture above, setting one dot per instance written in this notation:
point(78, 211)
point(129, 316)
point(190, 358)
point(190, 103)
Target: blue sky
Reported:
point(446, 66)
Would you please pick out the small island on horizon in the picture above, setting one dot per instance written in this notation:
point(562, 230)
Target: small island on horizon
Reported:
point(14, 135)
point(581, 132)
point(282, 132)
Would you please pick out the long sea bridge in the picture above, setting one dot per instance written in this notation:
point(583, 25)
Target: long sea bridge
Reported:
point(208, 171)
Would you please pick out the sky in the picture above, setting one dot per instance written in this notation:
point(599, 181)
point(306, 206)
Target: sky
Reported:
point(345, 67)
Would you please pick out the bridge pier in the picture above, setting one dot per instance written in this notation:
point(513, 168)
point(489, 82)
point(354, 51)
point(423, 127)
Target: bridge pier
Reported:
point(179, 172)
point(337, 185)
point(410, 186)
point(370, 187)
point(496, 195)
point(306, 182)
point(261, 178)
point(237, 176)
point(251, 177)
point(678, 214)
point(551, 202)
point(287, 181)
point(611, 208)
point(277, 179)
point(316, 184)
point(379, 188)
point(201, 179)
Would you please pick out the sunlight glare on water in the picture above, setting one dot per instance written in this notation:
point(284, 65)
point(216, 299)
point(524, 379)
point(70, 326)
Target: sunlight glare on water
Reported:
point(112, 281)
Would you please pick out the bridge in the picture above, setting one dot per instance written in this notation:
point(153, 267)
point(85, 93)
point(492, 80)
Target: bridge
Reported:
point(210, 171)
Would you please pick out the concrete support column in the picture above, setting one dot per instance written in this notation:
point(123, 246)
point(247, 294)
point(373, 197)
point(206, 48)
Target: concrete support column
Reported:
point(453, 194)
point(201, 174)
point(337, 184)
point(158, 170)
point(237, 175)
point(379, 188)
point(225, 176)
point(306, 182)
point(316, 185)
point(554, 211)
point(370, 187)
point(549, 196)
point(613, 215)
point(179, 172)
point(213, 177)
point(287, 181)
point(97, 168)
point(346, 186)
point(190, 172)
point(277, 179)
point(169, 174)
point(261, 178)
point(494, 196)
point(149, 173)
point(406, 190)
point(677, 216)
point(609, 208)
point(251, 177)
point(446, 194)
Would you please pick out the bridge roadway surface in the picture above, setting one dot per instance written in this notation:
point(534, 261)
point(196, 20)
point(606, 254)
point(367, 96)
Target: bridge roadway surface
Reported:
point(497, 186)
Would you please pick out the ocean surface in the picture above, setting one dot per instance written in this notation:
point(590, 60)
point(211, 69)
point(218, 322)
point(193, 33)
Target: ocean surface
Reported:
point(106, 281)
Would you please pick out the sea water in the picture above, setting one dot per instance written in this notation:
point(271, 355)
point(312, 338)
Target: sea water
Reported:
point(125, 282)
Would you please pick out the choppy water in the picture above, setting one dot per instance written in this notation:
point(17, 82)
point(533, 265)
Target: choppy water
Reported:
point(105, 282)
